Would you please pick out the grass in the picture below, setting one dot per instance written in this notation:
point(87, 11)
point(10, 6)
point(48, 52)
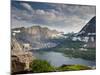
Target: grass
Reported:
point(73, 68)
point(39, 66)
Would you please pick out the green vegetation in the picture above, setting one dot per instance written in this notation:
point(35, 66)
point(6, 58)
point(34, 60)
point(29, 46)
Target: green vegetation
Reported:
point(68, 43)
point(38, 66)
point(72, 49)
point(73, 67)
point(89, 54)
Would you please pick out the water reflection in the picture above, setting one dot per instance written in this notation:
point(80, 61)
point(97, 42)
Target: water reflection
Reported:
point(58, 59)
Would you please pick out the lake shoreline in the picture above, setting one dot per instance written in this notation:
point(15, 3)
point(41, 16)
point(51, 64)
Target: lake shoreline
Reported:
point(60, 59)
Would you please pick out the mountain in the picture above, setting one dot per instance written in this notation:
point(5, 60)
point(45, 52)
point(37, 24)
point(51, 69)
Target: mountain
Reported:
point(42, 32)
point(38, 37)
point(89, 29)
point(87, 34)
point(81, 44)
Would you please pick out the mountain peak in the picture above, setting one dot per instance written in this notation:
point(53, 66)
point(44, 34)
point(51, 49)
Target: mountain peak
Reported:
point(89, 28)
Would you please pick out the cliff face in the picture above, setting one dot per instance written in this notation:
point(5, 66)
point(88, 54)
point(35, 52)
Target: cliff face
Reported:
point(41, 32)
point(38, 37)
point(20, 59)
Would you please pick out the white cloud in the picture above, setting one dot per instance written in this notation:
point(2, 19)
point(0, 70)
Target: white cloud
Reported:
point(40, 12)
point(63, 17)
point(27, 6)
point(79, 10)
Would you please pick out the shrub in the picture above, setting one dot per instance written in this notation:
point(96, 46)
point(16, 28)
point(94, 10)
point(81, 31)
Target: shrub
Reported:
point(38, 66)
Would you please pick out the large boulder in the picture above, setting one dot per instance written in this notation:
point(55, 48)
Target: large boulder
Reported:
point(20, 59)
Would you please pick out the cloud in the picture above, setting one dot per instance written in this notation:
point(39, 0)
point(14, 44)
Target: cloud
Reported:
point(79, 10)
point(27, 6)
point(62, 17)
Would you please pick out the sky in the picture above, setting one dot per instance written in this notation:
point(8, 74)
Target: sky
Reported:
point(62, 17)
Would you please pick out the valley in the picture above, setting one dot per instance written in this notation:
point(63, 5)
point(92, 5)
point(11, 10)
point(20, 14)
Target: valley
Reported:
point(55, 47)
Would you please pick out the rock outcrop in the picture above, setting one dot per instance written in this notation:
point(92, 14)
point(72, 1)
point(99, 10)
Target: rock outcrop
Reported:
point(20, 59)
